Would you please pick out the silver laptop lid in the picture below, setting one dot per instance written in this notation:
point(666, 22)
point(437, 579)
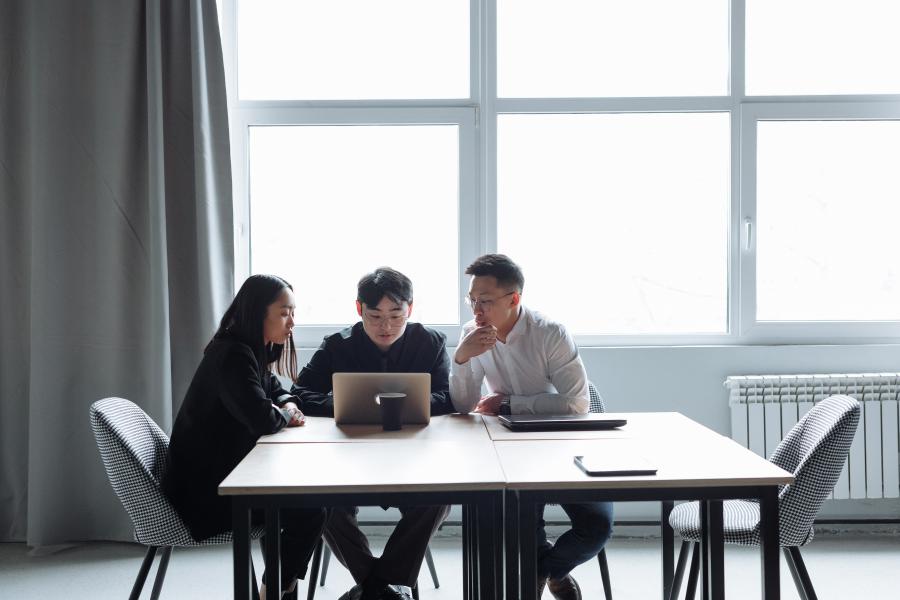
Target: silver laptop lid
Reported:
point(354, 397)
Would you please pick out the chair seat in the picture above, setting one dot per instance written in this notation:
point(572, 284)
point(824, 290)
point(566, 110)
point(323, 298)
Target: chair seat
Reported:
point(176, 534)
point(740, 521)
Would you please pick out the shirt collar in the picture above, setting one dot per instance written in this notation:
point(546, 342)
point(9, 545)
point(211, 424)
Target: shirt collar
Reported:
point(521, 325)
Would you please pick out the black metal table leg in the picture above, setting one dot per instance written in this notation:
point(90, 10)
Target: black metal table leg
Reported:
point(511, 543)
point(273, 553)
point(668, 547)
point(467, 551)
point(497, 520)
point(487, 569)
point(704, 549)
point(769, 543)
point(240, 525)
point(527, 547)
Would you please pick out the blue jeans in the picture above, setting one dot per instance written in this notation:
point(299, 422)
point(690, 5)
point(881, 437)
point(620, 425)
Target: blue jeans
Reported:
point(592, 524)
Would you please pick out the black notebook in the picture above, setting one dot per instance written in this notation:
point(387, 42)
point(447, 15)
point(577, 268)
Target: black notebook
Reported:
point(611, 466)
point(560, 422)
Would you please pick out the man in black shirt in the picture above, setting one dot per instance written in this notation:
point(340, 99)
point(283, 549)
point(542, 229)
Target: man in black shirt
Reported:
point(384, 341)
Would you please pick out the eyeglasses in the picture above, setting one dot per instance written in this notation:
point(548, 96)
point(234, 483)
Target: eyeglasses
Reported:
point(381, 320)
point(485, 305)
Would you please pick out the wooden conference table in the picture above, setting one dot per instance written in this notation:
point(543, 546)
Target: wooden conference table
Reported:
point(451, 461)
point(500, 477)
point(693, 462)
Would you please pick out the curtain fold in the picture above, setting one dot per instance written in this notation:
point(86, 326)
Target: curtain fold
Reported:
point(116, 255)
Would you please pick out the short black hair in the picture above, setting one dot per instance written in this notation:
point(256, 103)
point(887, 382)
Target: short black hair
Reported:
point(384, 281)
point(500, 266)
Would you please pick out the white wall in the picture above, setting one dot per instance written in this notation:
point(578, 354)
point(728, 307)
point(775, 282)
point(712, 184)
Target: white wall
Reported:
point(689, 380)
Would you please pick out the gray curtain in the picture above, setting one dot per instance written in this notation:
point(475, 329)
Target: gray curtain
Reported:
point(116, 243)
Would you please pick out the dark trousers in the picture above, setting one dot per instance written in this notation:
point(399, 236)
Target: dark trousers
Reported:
point(402, 557)
point(592, 524)
point(301, 529)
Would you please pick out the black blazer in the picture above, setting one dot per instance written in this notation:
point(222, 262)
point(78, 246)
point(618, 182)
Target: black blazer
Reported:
point(228, 405)
point(420, 350)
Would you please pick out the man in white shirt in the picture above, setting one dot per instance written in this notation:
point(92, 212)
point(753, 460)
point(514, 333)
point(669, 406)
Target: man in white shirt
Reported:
point(530, 365)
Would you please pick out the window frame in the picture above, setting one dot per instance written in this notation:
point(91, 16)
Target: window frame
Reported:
point(867, 108)
point(477, 118)
point(462, 117)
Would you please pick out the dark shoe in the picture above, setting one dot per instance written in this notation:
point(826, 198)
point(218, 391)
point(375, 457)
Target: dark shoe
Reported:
point(565, 588)
point(354, 593)
point(288, 590)
point(542, 583)
point(396, 592)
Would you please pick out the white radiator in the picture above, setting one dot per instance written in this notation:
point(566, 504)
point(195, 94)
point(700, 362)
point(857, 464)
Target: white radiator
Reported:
point(765, 407)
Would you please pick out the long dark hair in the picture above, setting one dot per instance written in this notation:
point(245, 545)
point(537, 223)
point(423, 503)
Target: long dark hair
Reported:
point(244, 320)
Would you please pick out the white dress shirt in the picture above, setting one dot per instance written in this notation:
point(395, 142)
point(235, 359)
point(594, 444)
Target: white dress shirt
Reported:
point(538, 368)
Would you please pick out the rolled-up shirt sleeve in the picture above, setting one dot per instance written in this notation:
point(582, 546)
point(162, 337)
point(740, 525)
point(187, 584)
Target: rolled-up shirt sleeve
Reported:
point(465, 383)
point(566, 373)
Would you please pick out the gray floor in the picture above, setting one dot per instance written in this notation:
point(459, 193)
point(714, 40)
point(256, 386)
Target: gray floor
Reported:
point(848, 566)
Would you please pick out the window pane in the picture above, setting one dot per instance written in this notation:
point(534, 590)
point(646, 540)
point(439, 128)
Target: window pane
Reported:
point(828, 204)
point(331, 203)
point(816, 47)
point(353, 49)
point(619, 220)
point(574, 48)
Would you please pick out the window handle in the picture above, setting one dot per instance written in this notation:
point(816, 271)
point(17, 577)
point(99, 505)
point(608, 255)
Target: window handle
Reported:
point(748, 233)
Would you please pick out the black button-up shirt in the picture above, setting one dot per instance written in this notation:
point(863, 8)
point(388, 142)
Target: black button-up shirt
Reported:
point(419, 350)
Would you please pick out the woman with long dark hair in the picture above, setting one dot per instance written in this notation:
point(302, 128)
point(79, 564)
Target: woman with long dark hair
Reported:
point(233, 399)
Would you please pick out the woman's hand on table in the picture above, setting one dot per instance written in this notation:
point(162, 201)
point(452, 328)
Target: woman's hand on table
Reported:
point(297, 416)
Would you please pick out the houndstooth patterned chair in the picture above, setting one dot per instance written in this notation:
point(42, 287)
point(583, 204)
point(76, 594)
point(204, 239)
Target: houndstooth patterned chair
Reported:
point(597, 405)
point(135, 451)
point(814, 450)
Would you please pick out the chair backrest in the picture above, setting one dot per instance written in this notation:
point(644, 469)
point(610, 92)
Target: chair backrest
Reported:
point(596, 400)
point(134, 451)
point(814, 450)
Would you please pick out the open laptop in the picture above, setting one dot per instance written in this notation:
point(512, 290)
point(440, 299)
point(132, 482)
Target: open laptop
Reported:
point(354, 397)
point(560, 422)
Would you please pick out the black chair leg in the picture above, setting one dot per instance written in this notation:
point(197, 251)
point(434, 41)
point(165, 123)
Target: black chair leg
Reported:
point(679, 569)
point(142, 573)
point(799, 573)
point(161, 572)
point(255, 590)
point(415, 592)
point(314, 571)
point(326, 560)
point(429, 560)
point(694, 575)
point(794, 574)
point(604, 574)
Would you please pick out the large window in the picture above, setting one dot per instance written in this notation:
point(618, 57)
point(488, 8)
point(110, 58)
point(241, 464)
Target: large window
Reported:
point(352, 49)
point(314, 225)
point(631, 208)
point(703, 171)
